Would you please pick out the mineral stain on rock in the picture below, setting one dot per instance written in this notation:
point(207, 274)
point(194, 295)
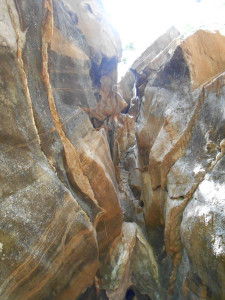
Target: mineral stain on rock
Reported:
point(108, 190)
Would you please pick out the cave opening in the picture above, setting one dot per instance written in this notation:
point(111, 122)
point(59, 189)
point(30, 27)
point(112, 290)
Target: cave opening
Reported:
point(130, 294)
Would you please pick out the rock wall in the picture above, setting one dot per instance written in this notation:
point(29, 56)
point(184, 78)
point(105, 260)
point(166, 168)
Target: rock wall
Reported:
point(176, 164)
point(59, 202)
point(108, 192)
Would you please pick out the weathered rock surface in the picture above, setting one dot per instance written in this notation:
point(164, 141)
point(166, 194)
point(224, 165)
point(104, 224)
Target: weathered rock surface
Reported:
point(107, 192)
point(180, 135)
point(59, 200)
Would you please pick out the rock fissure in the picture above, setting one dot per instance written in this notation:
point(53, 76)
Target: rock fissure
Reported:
point(128, 199)
point(21, 37)
point(71, 155)
point(14, 11)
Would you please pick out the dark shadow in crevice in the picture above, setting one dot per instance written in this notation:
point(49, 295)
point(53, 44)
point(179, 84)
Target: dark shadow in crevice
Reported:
point(89, 8)
point(134, 294)
point(130, 294)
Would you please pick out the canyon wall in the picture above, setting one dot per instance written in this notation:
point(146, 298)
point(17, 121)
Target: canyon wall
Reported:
point(108, 191)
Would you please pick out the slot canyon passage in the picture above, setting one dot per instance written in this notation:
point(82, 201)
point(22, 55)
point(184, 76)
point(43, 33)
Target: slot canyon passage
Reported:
point(108, 191)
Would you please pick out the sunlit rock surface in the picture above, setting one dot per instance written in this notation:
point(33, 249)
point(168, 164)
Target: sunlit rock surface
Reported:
point(180, 133)
point(106, 191)
point(59, 196)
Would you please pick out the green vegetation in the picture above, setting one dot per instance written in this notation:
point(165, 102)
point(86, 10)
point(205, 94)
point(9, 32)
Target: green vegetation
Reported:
point(129, 47)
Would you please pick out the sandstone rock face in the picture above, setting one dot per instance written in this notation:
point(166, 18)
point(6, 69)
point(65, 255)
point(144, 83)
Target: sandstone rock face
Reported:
point(180, 132)
point(108, 192)
point(59, 199)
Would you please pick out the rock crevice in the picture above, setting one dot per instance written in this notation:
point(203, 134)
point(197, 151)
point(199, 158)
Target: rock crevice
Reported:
point(108, 190)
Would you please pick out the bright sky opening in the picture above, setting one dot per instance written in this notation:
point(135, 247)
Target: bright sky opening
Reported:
point(143, 21)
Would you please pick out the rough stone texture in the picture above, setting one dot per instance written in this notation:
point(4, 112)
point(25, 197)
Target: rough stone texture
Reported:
point(108, 192)
point(180, 131)
point(59, 200)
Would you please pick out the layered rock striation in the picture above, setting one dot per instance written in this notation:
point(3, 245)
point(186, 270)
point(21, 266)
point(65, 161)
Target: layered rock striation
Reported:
point(179, 84)
point(108, 191)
